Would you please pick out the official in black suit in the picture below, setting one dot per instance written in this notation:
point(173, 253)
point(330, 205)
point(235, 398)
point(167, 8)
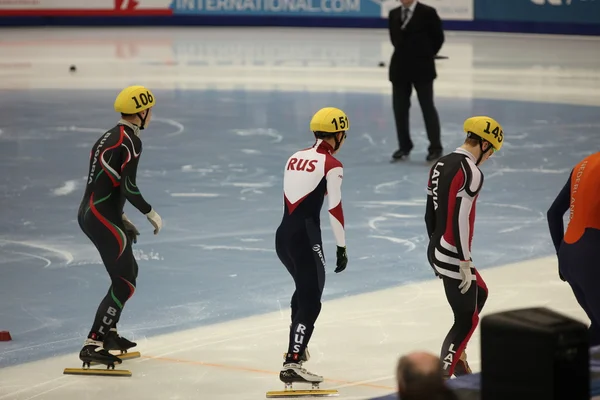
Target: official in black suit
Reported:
point(417, 35)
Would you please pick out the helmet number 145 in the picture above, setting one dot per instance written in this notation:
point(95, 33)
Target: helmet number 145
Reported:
point(498, 134)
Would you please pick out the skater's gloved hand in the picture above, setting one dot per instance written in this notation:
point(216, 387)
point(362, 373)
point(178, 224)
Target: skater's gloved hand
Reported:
point(155, 220)
point(342, 259)
point(466, 276)
point(130, 229)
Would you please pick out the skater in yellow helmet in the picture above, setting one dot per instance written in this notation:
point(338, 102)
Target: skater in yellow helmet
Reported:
point(309, 176)
point(455, 182)
point(112, 181)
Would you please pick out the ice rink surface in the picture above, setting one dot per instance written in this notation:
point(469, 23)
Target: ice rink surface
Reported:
point(210, 313)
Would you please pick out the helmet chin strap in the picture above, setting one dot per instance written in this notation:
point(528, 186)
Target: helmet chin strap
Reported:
point(143, 119)
point(337, 143)
point(482, 151)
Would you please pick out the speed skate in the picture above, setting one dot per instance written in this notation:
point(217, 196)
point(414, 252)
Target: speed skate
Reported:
point(297, 393)
point(87, 370)
point(124, 356)
point(294, 373)
point(94, 353)
point(110, 368)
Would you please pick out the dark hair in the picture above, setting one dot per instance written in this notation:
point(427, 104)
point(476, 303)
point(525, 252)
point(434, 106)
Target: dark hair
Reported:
point(323, 135)
point(418, 385)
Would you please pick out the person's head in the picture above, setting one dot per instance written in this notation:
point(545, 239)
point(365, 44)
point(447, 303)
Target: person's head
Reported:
point(135, 105)
point(330, 124)
point(484, 137)
point(419, 376)
point(407, 3)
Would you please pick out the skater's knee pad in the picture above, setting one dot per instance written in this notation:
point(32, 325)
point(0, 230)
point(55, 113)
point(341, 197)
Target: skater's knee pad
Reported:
point(122, 288)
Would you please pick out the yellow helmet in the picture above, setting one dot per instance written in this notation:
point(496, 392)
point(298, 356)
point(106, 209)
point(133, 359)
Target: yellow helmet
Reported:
point(486, 128)
point(329, 120)
point(134, 99)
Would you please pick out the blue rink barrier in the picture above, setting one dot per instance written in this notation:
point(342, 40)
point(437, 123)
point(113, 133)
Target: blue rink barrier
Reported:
point(571, 17)
point(556, 28)
point(469, 387)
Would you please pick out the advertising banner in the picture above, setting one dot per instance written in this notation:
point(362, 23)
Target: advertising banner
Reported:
point(447, 9)
point(556, 11)
point(85, 7)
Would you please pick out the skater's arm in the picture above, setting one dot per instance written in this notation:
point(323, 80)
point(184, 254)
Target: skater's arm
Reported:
point(336, 213)
point(129, 187)
point(556, 213)
point(429, 210)
point(470, 180)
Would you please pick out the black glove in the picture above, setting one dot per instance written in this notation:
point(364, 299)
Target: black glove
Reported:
point(130, 230)
point(342, 259)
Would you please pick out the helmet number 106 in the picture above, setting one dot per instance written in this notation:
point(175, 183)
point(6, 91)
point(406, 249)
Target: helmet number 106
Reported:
point(144, 98)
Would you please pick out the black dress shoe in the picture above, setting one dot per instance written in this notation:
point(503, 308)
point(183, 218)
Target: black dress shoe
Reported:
point(434, 155)
point(400, 155)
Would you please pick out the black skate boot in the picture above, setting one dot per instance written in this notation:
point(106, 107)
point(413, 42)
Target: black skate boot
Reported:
point(93, 352)
point(294, 373)
point(112, 341)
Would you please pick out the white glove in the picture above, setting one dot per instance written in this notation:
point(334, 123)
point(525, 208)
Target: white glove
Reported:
point(155, 220)
point(466, 276)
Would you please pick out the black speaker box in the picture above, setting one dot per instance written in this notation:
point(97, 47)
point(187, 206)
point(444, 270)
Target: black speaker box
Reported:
point(534, 354)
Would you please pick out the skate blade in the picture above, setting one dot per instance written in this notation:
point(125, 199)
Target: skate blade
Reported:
point(129, 356)
point(99, 372)
point(124, 356)
point(292, 394)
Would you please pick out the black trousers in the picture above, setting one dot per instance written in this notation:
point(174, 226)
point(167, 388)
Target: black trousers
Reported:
point(299, 248)
point(466, 308)
point(401, 92)
point(580, 268)
point(105, 229)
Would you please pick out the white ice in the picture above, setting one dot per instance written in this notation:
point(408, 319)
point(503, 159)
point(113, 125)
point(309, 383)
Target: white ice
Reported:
point(358, 338)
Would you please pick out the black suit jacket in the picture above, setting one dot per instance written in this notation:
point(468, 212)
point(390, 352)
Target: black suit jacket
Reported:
point(415, 46)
